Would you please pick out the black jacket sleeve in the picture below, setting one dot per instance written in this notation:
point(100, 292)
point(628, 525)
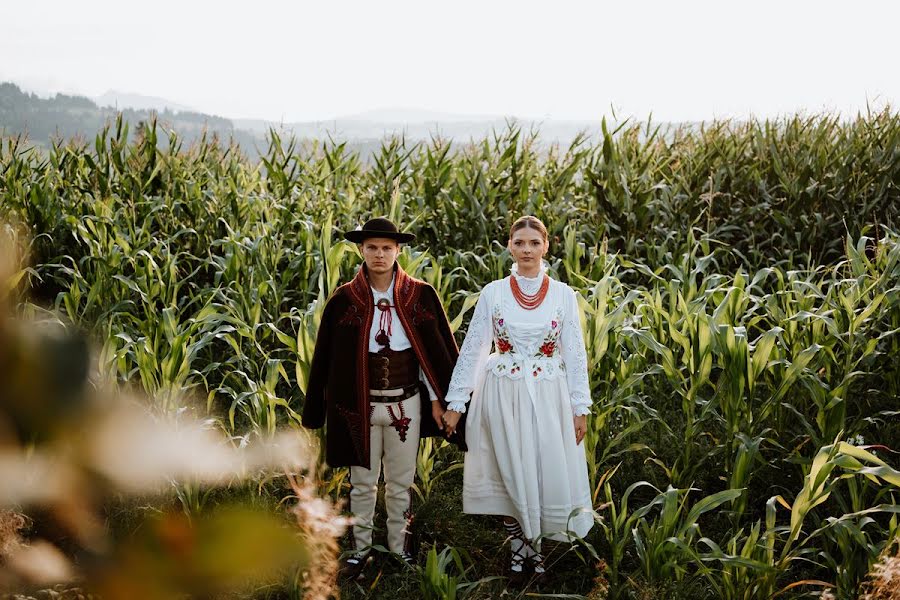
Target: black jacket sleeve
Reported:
point(449, 353)
point(314, 409)
point(449, 342)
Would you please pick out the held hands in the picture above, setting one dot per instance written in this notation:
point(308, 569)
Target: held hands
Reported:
point(451, 418)
point(580, 428)
point(437, 413)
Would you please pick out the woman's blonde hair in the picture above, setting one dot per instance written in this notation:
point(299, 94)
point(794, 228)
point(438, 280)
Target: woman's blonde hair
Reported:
point(529, 222)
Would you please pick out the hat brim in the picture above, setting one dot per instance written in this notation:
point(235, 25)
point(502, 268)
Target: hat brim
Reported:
point(358, 235)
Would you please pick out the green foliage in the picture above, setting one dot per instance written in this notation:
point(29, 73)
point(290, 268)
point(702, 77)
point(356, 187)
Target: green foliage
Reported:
point(435, 580)
point(738, 281)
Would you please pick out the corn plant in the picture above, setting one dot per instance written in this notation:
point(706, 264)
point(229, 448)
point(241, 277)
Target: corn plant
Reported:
point(738, 284)
point(436, 581)
point(430, 467)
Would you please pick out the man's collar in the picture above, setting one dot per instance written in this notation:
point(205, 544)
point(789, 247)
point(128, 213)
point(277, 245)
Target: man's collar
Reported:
point(404, 287)
point(390, 289)
point(365, 272)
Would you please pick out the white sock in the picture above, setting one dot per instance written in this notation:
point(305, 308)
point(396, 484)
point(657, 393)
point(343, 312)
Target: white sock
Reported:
point(517, 546)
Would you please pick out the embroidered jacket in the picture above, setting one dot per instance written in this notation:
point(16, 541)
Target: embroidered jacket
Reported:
point(337, 395)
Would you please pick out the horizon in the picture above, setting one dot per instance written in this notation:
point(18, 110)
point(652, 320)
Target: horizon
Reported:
point(679, 63)
point(392, 115)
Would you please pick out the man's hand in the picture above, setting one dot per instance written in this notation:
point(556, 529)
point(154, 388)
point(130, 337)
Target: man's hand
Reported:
point(451, 418)
point(437, 413)
point(580, 428)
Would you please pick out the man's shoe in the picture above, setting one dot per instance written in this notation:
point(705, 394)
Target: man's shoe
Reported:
point(352, 567)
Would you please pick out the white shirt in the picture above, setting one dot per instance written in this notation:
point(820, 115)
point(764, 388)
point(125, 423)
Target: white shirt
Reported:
point(399, 339)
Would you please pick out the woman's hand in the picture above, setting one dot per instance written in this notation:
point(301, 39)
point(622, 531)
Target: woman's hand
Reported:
point(451, 418)
point(580, 428)
point(437, 413)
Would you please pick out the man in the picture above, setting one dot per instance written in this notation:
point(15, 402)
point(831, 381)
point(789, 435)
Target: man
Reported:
point(382, 364)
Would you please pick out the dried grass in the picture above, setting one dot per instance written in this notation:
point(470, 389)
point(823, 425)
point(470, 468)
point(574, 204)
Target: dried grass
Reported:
point(12, 524)
point(883, 582)
point(320, 525)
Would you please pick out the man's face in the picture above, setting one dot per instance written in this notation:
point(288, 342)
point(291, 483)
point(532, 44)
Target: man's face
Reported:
point(379, 254)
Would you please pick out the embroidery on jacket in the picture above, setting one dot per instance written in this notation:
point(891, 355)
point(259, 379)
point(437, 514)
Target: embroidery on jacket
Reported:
point(353, 316)
point(354, 424)
point(359, 290)
point(412, 287)
point(420, 314)
point(404, 289)
point(361, 295)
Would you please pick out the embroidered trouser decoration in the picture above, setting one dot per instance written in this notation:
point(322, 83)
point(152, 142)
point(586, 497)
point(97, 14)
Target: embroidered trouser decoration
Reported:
point(401, 424)
point(396, 448)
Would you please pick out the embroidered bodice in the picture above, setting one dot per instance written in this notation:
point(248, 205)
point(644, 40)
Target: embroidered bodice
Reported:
point(544, 343)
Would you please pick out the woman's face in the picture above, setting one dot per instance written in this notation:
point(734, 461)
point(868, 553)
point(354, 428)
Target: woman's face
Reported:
point(528, 247)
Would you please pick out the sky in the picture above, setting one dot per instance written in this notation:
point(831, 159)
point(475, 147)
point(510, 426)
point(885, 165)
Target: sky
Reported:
point(555, 59)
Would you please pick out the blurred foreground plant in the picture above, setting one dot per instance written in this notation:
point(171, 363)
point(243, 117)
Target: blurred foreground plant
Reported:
point(884, 580)
point(70, 444)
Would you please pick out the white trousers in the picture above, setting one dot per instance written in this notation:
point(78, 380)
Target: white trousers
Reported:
point(394, 442)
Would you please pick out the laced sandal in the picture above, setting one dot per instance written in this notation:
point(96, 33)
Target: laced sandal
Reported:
point(536, 563)
point(518, 545)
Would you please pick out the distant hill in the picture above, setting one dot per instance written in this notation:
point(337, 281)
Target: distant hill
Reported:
point(420, 125)
point(63, 116)
point(414, 115)
point(122, 100)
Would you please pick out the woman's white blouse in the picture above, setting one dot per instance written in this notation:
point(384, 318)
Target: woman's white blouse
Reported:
point(544, 343)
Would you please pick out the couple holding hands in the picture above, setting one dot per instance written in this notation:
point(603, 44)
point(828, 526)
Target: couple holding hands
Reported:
point(386, 371)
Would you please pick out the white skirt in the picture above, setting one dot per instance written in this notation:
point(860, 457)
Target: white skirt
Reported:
point(523, 461)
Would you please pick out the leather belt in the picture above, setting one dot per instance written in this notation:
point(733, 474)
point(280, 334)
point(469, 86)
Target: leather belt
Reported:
point(392, 369)
point(393, 395)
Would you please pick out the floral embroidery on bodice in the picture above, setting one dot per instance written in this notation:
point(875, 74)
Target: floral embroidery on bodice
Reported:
point(524, 349)
point(548, 346)
point(541, 344)
point(501, 335)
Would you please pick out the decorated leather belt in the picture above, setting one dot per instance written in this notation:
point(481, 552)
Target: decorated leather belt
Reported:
point(393, 395)
point(392, 369)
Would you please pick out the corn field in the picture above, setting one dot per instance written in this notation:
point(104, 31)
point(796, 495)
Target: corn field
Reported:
point(740, 289)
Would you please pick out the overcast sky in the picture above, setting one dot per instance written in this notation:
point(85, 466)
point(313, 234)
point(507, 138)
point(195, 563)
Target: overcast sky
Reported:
point(561, 59)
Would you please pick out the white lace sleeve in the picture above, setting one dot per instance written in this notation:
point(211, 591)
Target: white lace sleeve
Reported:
point(431, 395)
point(575, 355)
point(472, 356)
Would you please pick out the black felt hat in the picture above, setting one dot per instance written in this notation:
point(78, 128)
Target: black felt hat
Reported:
point(378, 227)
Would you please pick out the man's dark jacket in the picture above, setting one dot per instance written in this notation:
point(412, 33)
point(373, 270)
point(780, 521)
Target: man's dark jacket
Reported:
point(338, 390)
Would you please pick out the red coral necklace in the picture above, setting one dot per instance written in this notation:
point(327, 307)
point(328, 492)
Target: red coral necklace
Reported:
point(532, 301)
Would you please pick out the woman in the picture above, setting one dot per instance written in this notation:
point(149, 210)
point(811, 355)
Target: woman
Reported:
point(527, 416)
